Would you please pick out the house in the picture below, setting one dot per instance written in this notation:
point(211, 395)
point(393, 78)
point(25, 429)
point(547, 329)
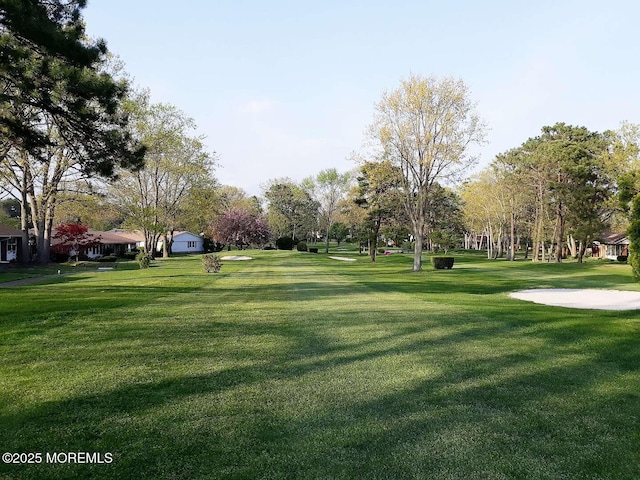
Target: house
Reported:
point(115, 242)
point(112, 242)
point(185, 242)
point(10, 243)
point(611, 246)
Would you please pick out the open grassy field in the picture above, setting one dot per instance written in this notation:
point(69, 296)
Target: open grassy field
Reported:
point(294, 365)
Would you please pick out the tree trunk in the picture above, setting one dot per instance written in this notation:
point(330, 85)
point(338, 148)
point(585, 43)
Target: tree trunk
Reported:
point(559, 234)
point(512, 239)
point(582, 249)
point(165, 245)
point(417, 254)
point(374, 239)
point(326, 247)
point(571, 244)
point(25, 253)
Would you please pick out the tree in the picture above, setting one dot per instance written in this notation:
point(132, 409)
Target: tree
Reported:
point(151, 198)
point(327, 188)
point(291, 210)
point(60, 114)
point(625, 154)
point(239, 227)
point(446, 220)
point(201, 205)
point(92, 209)
point(338, 232)
point(573, 181)
point(378, 194)
point(48, 67)
point(73, 238)
point(425, 128)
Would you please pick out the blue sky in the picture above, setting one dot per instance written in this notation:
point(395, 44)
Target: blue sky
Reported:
point(287, 88)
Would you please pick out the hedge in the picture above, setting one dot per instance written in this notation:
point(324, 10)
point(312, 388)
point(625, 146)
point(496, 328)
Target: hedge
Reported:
point(440, 263)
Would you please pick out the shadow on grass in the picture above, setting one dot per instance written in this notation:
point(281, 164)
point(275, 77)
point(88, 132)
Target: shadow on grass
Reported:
point(441, 397)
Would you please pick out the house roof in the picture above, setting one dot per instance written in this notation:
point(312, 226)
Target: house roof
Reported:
point(185, 234)
point(615, 239)
point(7, 231)
point(110, 237)
point(120, 235)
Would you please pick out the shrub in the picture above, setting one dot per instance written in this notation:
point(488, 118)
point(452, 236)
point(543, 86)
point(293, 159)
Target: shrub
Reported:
point(381, 251)
point(211, 263)
point(59, 257)
point(622, 258)
point(302, 246)
point(144, 259)
point(406, 247)
point(284, 243)
point(313, 249)
point(107, 259)
point(129, 255)
point(268, 247)
point(440, 263)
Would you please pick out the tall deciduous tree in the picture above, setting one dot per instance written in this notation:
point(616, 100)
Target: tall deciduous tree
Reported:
point(292, 211)
point(328, 188)
point(176, 162)
point(425, 127)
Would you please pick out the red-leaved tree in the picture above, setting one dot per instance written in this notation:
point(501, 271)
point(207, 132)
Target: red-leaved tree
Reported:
point(73, 238)
point(239, 227)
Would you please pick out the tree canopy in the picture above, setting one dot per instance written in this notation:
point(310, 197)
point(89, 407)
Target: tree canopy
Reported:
point(425, 127)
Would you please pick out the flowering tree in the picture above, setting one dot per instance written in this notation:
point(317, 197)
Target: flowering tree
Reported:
point(73, 238)
point(239, 227)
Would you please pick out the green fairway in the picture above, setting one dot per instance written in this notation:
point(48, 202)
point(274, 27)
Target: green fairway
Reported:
point(293, 365)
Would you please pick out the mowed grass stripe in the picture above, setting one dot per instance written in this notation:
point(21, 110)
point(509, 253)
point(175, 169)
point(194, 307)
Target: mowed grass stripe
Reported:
point(294, 366)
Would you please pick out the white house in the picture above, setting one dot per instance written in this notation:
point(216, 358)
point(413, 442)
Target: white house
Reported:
point(185, 242)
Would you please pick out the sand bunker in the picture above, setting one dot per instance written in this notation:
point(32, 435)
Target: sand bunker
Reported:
point(582, 298)
point(235, 257)
point(343, 259)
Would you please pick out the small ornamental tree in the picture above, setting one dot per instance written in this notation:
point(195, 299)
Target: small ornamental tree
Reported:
point(74, 238)
point(239, 227)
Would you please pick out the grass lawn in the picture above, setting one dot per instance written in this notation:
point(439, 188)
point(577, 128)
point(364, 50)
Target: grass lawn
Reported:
point(294, 365)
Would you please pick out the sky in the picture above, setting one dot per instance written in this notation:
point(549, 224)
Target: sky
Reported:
point(288, 88)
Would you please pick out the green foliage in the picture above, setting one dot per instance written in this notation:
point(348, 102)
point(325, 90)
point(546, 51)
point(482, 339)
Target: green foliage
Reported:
point(284, 243)
point(211, 263)
point(51, 70)
point(292, 211)
point(130, 255)
point(313, 249)
point(302, 246)
point(634, 237)
point(338, 232)
point(406, 124)
point(441, 263)
point(107, 259)
point(144, 259)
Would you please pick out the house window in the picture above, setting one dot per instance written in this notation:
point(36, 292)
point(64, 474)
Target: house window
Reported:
point(12, 245)
point(191, 244)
